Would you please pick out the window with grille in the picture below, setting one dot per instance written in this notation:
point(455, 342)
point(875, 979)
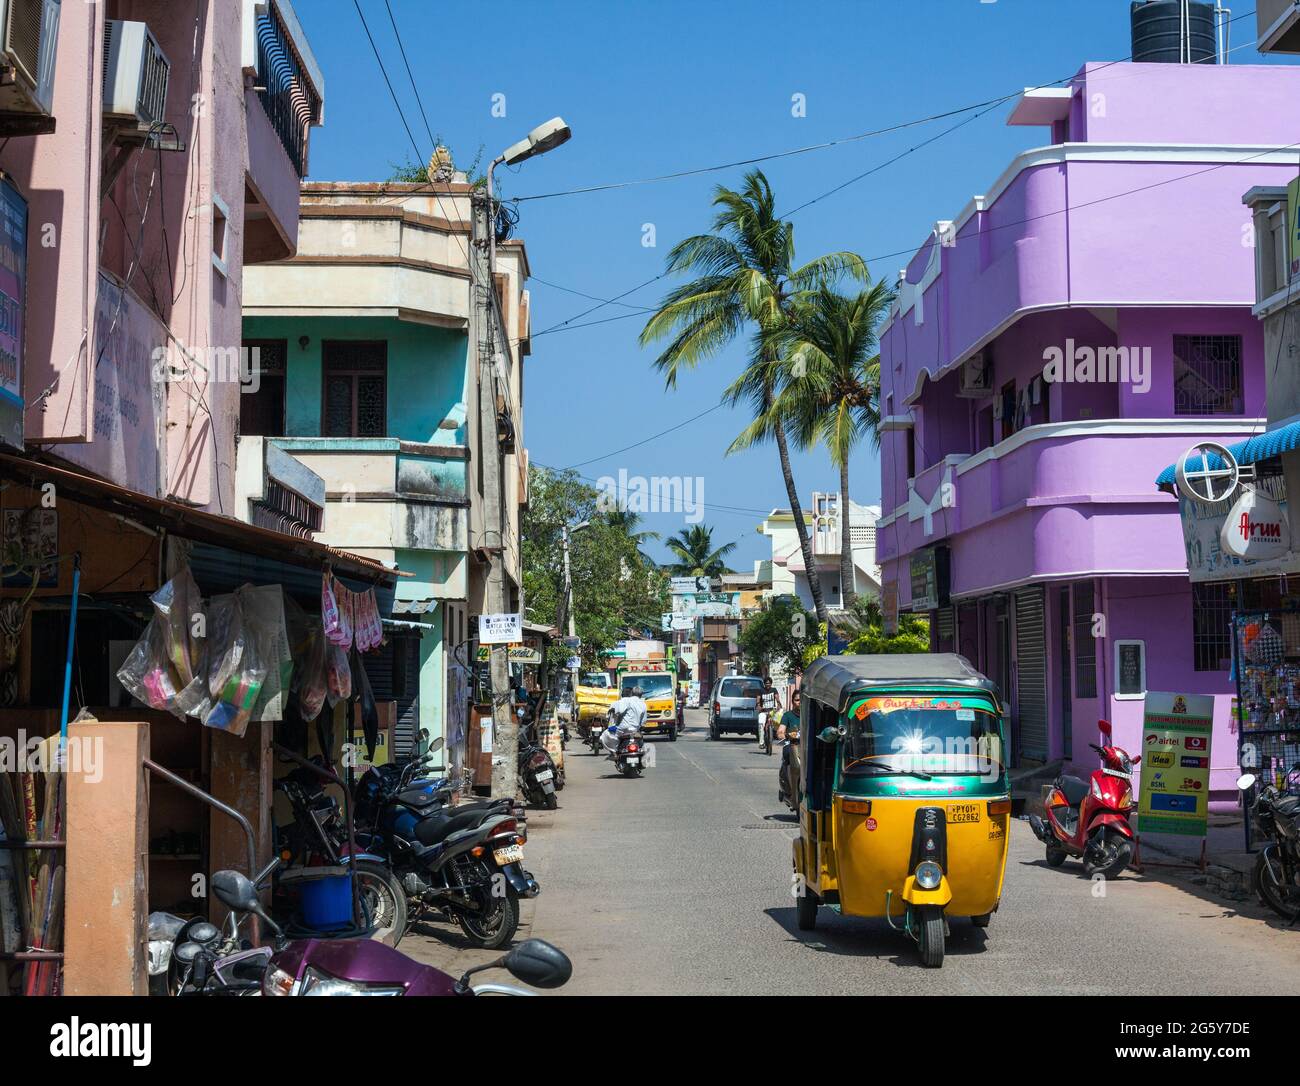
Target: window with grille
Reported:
point(1211, 626)
point(1207, 375)
point(354, 389)
point(1085, 645)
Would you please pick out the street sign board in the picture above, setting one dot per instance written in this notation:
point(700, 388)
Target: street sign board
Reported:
point(503, 629)
point(1175, 767)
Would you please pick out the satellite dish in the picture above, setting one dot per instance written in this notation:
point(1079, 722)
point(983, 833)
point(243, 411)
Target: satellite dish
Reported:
point(1207, 473)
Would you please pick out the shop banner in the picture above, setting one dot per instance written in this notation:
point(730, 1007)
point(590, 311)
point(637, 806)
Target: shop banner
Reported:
point(1212, 558)
point(516, 654)
point(505, 629)
point(13, 288)
point(1175, 768)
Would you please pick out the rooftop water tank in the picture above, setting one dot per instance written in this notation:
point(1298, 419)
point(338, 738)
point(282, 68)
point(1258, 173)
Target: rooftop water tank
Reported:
point(1173, 32)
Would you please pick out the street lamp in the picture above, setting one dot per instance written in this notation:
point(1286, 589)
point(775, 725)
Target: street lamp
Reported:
point(545, 137)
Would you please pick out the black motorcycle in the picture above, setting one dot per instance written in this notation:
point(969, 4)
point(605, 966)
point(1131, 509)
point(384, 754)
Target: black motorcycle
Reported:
point(539, 777)
point(1277, 867)
point(462, 863)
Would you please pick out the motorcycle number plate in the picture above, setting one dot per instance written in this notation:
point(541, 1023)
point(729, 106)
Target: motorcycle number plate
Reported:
point(634, 761)
point(964, 812)
point(511, 854)
point(545, 775)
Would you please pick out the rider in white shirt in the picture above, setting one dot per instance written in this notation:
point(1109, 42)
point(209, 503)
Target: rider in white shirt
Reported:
point(628, 714)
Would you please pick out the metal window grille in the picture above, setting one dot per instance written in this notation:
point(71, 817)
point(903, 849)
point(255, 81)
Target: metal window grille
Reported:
point(1207, 375)
point(290, 103)
point(1085, 644)
point(1211, 626)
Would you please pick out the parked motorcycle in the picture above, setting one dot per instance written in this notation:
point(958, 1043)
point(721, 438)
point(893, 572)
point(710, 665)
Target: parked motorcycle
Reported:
point(1090, 819)
point(539, 777)
point(314, 967)
point(1276, 877)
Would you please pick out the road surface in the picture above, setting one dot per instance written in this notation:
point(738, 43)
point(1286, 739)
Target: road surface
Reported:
point(679, 883)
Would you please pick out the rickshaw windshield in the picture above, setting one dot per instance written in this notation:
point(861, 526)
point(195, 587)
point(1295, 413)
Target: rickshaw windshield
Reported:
point(652, 686)
point(930, 736)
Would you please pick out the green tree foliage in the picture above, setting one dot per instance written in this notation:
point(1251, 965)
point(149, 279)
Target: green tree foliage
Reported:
point(696, 554)
point(864, 623)
point(617, 591)
point(778, 636)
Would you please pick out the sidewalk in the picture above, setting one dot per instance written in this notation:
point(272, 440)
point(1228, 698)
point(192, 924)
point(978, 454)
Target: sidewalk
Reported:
point(1228, 865)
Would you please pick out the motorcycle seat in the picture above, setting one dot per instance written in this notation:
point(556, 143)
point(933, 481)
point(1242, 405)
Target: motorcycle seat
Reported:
point(433, 830)
point(1287, 806)
point(1073, 788)
point(417, 797)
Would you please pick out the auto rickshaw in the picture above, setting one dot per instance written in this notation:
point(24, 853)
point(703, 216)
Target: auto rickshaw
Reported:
point(904, 802)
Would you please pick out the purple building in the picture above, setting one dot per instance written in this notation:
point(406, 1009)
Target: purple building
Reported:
point(1053, 348)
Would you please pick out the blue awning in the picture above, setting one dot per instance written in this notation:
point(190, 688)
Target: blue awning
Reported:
point(1261, 447)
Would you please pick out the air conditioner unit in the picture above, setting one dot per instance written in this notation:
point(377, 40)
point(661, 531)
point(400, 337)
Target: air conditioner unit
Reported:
point(135, 74)
point(29, 41)
point(975, 378)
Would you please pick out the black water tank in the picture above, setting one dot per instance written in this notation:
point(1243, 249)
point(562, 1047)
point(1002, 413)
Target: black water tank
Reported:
point(1158, 31)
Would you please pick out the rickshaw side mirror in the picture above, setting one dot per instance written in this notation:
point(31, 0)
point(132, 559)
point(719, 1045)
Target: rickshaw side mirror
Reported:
point(830, 734)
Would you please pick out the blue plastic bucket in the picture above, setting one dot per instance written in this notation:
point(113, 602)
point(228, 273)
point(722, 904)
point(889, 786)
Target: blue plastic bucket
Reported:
point(327, 902)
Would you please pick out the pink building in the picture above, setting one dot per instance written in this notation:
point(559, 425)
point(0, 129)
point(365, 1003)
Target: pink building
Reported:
point(1067, 336)
point(179, 136)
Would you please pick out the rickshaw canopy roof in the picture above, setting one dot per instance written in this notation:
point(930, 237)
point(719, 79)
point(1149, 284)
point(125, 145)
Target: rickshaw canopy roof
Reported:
point(833, 680)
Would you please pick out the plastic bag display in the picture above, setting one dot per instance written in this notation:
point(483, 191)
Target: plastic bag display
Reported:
point(365, 699)
point(338, 675)
point(176, 606)
point(263, 611)
point(146, 673)
point(237, 667)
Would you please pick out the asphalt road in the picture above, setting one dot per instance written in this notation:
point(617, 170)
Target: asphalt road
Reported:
point(679, 883)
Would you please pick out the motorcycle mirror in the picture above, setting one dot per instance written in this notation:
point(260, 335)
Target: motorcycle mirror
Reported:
point(436, 745)
point(235, 891)
point(1104, 727)
point(1246, 782)
point(537, 962)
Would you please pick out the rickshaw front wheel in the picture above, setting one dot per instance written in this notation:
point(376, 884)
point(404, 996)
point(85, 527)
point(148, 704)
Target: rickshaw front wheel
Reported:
point(806, 910)
point(929, 935)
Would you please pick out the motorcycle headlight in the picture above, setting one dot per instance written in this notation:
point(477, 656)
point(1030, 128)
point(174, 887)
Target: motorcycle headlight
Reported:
point(316, 983)
point(1126, 797)
point(1096, 788)
point(276, 982)
point(928, 875)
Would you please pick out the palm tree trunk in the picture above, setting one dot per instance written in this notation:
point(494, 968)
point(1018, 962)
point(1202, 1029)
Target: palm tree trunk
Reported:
point(801, 529)
point(847, 573)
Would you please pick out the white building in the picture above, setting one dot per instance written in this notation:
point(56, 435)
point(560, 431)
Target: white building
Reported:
point(789, 574)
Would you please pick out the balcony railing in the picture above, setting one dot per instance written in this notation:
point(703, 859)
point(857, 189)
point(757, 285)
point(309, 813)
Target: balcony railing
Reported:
point(291, 103)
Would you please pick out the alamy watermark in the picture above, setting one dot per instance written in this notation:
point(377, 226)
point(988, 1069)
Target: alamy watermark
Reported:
point(1081, 364)
point(657, 494)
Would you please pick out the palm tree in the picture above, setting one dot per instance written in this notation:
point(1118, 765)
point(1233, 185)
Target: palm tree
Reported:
point(746, 279)
point(629, 524)
point(696, 554)
point(830, 393)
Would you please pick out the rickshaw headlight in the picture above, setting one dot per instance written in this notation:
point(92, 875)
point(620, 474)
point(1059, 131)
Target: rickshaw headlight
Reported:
point(928, 875)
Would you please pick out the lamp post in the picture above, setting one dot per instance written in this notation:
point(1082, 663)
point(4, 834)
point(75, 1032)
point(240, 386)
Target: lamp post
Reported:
point(565, 533)
point(487, 360)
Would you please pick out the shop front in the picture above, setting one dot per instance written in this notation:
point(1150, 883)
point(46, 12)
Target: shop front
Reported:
point(185, 658)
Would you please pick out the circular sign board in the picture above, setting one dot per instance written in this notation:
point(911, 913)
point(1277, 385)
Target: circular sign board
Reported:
point(1207, 473)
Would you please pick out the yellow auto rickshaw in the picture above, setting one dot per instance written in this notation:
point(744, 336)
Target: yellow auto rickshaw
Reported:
point(904, 802)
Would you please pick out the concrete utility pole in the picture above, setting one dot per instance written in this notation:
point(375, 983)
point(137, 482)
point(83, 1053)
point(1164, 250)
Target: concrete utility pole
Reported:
point(482, 342)
point(489, 344)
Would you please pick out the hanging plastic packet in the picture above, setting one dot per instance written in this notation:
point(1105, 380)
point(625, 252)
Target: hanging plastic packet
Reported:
point(146, 673)
point(178, 607)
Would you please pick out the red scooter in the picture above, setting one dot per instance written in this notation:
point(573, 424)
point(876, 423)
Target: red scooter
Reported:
point(1089, 819)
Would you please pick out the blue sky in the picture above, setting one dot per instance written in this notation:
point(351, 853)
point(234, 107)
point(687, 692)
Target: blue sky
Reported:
point(653, 88)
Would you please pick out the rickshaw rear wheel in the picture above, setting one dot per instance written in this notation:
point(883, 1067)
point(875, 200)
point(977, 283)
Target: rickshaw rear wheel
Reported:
point(806, 910)
point(929, 926)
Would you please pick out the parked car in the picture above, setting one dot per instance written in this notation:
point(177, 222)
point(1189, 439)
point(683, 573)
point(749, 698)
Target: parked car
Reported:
point(733, 706)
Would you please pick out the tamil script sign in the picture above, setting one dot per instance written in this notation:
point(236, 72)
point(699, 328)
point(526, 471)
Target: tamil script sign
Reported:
point(504, 629)
point(1176, 732)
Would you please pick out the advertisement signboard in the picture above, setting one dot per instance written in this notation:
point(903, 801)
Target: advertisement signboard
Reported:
point(1175, 768)
point(504, 629)
point(13, 286)
point(1212, 557)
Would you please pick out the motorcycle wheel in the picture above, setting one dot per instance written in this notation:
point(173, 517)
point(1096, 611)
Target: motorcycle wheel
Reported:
point(1115, 851)
point(767, 740)
point(498, 927)
point(1269, 892)
point(383, 900)
point(1055, 856)
point(929, 935)
point(550, 801)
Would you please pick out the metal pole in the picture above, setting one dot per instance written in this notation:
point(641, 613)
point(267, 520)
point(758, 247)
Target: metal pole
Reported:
point(568, 605)
point(67, 665)
point(505, 737)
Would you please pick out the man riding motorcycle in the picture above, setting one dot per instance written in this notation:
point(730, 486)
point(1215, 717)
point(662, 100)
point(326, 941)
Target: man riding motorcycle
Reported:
point(626, 716)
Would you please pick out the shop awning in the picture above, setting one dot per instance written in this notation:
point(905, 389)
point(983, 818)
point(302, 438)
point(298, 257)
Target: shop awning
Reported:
point(190, 523)
point(1263, 446)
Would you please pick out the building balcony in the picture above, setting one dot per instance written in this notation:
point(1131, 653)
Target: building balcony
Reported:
point(383, 494)
point(1058, 500)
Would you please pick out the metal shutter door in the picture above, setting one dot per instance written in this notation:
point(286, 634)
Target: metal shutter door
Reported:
point(394, 674)
point(1031, 674)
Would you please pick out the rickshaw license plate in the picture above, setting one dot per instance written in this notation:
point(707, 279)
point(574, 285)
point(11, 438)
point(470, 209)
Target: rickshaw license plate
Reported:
point(511, 854)
point(964, 812)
